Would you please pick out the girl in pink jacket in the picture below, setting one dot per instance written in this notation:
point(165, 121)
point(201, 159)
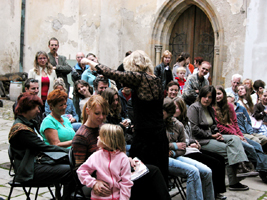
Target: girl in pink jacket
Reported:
point(110, 163)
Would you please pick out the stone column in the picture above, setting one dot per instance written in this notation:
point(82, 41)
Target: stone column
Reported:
point(158, 49)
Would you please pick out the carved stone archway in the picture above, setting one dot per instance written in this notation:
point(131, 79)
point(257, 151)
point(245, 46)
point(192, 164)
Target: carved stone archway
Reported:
point(164, 23)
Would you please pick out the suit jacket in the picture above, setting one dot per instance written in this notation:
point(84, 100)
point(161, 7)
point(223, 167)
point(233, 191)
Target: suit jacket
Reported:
point(62, 68)
point(199, 125)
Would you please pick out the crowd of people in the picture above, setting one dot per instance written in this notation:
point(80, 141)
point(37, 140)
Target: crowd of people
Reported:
point(170, 117)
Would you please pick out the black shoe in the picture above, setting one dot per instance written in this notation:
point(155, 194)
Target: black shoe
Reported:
point(238, 187)
point(220, 197)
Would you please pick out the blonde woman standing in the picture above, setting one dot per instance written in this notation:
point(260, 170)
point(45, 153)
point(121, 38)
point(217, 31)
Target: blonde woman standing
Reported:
point(43, 72)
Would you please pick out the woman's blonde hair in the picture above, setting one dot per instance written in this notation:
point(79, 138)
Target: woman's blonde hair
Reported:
point(58, 82)
point(92, 103)
point(36, 66)
point(138, 61)
point(112, 136)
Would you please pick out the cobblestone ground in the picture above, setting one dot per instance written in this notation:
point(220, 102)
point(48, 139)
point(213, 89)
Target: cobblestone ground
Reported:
point(258, 190)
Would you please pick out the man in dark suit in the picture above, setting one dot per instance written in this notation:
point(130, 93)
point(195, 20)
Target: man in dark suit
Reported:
point(59, 62)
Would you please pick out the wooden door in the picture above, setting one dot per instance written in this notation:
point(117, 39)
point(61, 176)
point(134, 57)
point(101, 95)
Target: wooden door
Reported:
point(193, 33)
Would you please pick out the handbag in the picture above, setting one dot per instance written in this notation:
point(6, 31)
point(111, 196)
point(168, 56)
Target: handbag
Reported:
point(52, 158)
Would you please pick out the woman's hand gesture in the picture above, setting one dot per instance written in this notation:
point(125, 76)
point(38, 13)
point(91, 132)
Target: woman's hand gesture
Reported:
point(89, 62)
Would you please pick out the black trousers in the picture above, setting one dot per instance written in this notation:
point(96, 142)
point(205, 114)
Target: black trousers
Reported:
point(150, 186)
point(216, 163)
point(55, 174)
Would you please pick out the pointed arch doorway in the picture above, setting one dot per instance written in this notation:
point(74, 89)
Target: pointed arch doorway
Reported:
point(168, 16)
point(193, 33)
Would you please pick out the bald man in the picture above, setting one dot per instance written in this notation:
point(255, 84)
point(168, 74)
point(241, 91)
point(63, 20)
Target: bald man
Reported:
point(79, 68)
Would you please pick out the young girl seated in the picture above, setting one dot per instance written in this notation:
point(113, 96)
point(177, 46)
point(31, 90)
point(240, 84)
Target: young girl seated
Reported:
point(110, 163)
point(180, 77)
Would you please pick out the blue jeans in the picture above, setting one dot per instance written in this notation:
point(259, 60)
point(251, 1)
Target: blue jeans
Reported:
point(255, 154)
point(199, 177)
point(76, 126)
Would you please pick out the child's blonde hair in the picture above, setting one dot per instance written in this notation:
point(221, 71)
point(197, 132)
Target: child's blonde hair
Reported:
point(112, 136)
point(180, 69)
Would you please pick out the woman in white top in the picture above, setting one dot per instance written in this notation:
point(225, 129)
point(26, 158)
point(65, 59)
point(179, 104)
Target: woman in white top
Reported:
point(45, 74)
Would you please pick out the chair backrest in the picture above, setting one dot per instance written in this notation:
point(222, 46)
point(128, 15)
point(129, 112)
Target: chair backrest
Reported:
point(72, 167)
point(11, 158)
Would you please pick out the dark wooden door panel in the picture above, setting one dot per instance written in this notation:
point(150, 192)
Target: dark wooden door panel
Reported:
point(193, 33)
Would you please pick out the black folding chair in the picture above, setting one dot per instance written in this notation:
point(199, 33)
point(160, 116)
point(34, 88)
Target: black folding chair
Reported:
point(80, 190)
point(176, 182)
point(28, 184)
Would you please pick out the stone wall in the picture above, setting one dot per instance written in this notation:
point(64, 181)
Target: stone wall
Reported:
point(109, 28)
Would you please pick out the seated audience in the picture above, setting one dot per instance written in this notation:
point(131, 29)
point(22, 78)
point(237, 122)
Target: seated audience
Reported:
point(125, 95)
point(31, 86)
point(244, 122)
point(172, 89)
point(26, 145)
point(195, 82)
point(193, 150)
point(180, 62)
point(244, 98)
point(56, 129)
point(197, 63)
point(258, 86)
point(249, 83)
point(117, 176)
point(115, 114)
point(100, 84)
point(227, 124)
point(199, 176)
point(83, 91)
point(150, 186)
point(188, 65)
point(204, 129)
point(180, 77)
point(235, 82)
point(70, 111)
point(43, 71)
point(88, 75)
point(260, 114)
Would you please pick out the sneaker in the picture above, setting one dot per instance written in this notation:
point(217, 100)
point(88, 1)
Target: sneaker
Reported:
point(238, 187)
point(220, 197)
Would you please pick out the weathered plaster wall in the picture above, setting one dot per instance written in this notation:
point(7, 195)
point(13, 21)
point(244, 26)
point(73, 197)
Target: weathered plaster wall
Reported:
point(10, 35)
point(256, 41)
point(230, 12)
point(109, 28)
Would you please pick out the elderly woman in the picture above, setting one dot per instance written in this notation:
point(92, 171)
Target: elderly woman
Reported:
point(70, 112)
point(204, 129)
point(83, 91)
point(55, 128)
point(150, 143)
point(26, 145)
point(43, 71)
point(84, 143)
